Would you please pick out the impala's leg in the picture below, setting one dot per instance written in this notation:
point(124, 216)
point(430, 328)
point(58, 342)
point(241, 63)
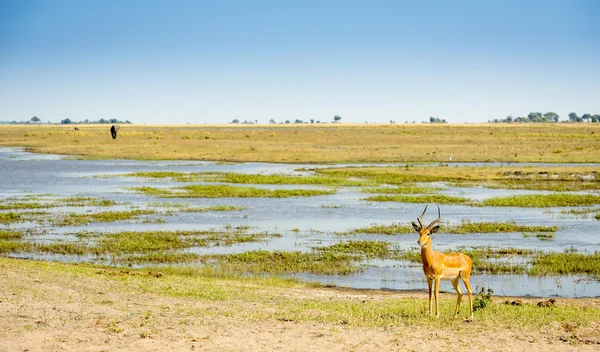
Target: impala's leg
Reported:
point(437, 293)
point(430, 283)
point(467, 282)
point(456, 284)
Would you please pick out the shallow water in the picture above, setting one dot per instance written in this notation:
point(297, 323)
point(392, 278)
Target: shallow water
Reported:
point(303, 222)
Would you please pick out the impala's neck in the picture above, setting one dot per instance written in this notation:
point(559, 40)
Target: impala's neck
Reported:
point(427, 253)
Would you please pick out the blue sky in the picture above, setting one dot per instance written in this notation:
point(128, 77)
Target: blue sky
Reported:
point(214, 61)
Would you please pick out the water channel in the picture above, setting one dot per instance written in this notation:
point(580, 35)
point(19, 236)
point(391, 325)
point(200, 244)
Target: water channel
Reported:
point(305, 222)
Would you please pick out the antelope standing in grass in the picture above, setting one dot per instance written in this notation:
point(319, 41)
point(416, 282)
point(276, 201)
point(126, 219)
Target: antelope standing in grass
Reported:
point(438, 266)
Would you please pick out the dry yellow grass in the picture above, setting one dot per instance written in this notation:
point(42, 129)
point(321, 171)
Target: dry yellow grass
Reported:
point(327, 143)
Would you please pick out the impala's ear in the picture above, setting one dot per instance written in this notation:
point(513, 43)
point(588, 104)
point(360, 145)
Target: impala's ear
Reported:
point(434, 229)
point(416, 227)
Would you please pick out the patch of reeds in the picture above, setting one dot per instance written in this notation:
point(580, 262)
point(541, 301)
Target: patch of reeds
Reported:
point(407, 188)
point(437, 198)
point(279, 262)
point(8, 234)
point(226, 191)
point(76, 219)
point(565, 263)
point(10, 218)
point(368, 249)
point(543, 200)
point(463, 227)
point(540, 235)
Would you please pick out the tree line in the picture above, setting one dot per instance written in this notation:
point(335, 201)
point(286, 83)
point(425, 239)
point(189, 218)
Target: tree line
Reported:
point(548, 117)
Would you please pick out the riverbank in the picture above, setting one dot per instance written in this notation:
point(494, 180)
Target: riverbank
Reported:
point(50, 306)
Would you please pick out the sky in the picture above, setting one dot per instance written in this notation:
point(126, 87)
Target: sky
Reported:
point(207, 61)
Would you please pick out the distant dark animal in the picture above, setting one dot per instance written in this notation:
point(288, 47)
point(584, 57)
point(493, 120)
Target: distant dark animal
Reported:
point(517, 302)
point(76, 128)
point(113, 130)
point(548, 303)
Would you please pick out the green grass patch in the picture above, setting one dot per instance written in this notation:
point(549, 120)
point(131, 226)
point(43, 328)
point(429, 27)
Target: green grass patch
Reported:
point(76, 219)
point(402, 189)
point(565, 264)
point(226, 191)
point(540, 235)
point(464, 227)
point(254, 178)
point(40, 202)
point(11, 234)
point(279, 262)
point(368, 249)
point(434, 198)
point(191, 209)
point(10, 218)
point(543, 200)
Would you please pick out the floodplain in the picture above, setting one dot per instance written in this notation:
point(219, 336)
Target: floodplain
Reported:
point(529, 224)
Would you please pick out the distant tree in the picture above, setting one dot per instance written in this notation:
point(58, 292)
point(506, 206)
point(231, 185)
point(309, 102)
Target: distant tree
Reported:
point(337, 118)
point(509, 118)
point(298, 121)
point(102, 121)
point(287, 121)
point(436, 120)
point(535, 117)
point(35, 119)
point(256, 121)
point(272, 122)
point(312, 120)
point(595, 118)
point(551, 116)
point(574, 118)
point(586, 117)
point(65, 121)
point(235, 121)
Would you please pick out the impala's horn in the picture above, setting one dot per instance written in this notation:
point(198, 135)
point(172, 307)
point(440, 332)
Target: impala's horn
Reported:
point(419, 218)
point(436, 220)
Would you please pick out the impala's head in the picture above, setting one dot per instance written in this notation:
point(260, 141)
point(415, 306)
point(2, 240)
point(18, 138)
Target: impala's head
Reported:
point(426, 231)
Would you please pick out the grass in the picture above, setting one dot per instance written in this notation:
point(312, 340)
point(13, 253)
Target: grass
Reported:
point(524, 201)
point(278, 262)
point(402, 189)
point(368, 249)
point(226, 191)
point(132, 246)
point(39, 202)
point(557, 178)
point(566, 263)
point(10, 218)
point(237, 178)
point(255, 299)
point(77, 219)
point(543, 200)
point(581, 212)
point(7, 234)
point(318, 143)
point(541, 236)
point(437, 198)
point(190, 209)
point(464, 227)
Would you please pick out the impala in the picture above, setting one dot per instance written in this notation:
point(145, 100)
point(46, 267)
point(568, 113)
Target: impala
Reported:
point(438, 266)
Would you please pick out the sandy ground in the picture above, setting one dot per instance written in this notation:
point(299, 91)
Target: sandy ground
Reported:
point(85, 314)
